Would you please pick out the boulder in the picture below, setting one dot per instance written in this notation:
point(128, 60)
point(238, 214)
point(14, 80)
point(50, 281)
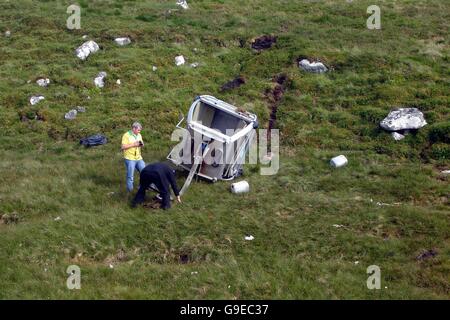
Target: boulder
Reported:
point(43, 82)
point(123, 41)
point(36, 99)
point(313, 67)
point(86, 49)
point(403, 119)
point(100, 80)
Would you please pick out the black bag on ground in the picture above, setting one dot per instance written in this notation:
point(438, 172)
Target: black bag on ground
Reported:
point(94, 140)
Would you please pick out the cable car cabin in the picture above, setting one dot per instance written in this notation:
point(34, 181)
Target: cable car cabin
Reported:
point(215, 141)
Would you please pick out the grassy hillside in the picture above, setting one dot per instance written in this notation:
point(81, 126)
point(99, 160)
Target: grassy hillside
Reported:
point(391, 200)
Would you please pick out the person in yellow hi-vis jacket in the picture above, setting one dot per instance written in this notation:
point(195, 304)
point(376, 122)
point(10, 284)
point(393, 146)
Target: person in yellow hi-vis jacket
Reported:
point(131, 146)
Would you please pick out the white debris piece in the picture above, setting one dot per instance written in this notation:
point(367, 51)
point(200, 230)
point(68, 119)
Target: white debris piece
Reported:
point(356, 262)
point(111, 266)
point(183, 4)
point(240, 187)
point(85, 37)
point(71, 115)
point(57, 218)
point(36, 99)
point(179, 60)
point(403, 119)
point(118, 82)
point(86, 49)
point(445, 172)
point(8, 33)
point(123, 41)
point(397, 136)
point(81, 109)
point(194, 272)
point(194, 65)
point(338, 225)
point(99, 80)
point(314, 67)
point(249, 238)
point(339, 161)
point(154, 68)
point(43, 82)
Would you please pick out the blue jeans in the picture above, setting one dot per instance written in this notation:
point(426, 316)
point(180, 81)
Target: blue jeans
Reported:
point(131, 165)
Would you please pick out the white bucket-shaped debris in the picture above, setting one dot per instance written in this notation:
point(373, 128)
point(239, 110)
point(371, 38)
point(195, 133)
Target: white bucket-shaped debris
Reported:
point(43, 82)
point(183, 4)
point(179, 60)
point(339, 161)
point(240, 187)
point(123, 41)
point(86, 49)
point(99, 80)
point(36, 99)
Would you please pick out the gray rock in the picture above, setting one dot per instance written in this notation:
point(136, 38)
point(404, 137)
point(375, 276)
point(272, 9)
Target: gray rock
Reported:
point(313, 67)
point(397, 136)
point(123, 41)
point(403, 119)
point(36, 99)
point(43, 82)
point(100, 80)
point(72, 114)
point(86, 49)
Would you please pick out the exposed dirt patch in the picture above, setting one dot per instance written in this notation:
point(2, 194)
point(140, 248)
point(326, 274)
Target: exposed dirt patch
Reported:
point(263, 42)
point(274, 96)
point(9, 218)
point(235, 83)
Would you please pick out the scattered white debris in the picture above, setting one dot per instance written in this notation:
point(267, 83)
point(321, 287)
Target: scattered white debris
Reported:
point(381, 204)
point(397, 136)
point(85, 37)
point(123, 41)
point(194, 272)
point(229, 286)
point(240, 187)
point(356, 262)
point(29, 81)
point(111, 266)
point(183, 4)
point(338, 225)
point(194, 65)
point(195, 49)
point(71, 115)
point(339, 161)
point(249, 238)
point(8, 33)
point(57, 218)
point(403, 119)
point(314, 67)
point(118, 82)
point(154, 68)
point(86, 49)
point(43, 82)
point(445, 172)
point(179, 60)
point(81, 109)
point(110, 193)
point(99, 80)
point(36, 99)
point(45, 269)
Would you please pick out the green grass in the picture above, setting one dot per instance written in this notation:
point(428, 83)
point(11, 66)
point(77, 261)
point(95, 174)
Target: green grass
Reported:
point(296, 253)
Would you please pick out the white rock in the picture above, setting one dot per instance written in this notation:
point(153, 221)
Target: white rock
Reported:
point(100, 79)
point(445, 172)
point(43, 82)
point(339, 161)
point(183, 4)
point(249, 238)
point(403, 119)
point(179, 60)
point(154, 68)
point(118, 82)
point(397, 136)
point(36, 99)
point(71, 115)
point(8, 33)
point(123, 41)
point(86, 49)
point(314, 67)
point(57, 218)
